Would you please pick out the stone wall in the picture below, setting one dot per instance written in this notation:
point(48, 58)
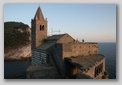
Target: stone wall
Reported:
point(40, 34)
point(91, 71)
point(57, 57)
point(79, 49)
point(37, 34)
point(42, 72)
point(104, 70)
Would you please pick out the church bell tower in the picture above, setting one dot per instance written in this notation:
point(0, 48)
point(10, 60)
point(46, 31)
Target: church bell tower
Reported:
point(39, 29)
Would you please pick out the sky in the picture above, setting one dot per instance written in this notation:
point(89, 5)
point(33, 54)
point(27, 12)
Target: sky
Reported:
point(91, 22)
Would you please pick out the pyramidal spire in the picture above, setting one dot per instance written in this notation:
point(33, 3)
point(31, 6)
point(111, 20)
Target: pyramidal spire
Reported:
point(39, 14)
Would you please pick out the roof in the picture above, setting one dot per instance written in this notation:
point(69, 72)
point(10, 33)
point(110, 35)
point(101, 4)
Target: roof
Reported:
point(85, 62)
point(55, 37)
point(48, 44)
point(45, 46)
point(39, 14)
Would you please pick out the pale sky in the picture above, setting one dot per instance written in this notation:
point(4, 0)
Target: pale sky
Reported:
point(91, 22)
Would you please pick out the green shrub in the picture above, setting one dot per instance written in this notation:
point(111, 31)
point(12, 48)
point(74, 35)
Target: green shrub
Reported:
point(14, 39)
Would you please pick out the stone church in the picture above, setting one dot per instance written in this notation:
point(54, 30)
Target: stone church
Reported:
point(71, 58)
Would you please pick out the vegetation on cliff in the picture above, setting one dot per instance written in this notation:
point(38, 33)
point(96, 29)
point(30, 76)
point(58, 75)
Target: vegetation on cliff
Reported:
point(16, 35)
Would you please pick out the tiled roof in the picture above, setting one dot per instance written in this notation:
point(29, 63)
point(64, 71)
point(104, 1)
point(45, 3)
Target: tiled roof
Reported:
point(55, 37)
point(48, 44)
point(45, 46)
point(85, 62)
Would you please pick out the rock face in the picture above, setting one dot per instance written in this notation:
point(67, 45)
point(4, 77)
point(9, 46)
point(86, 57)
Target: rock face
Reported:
point(21, 53)
point(17, 39)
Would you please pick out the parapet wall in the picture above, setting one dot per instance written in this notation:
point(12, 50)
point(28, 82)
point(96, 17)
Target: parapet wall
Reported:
point(79, 49)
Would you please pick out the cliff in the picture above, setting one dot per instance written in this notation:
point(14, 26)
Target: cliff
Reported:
point(21, 53)
point(17, 37)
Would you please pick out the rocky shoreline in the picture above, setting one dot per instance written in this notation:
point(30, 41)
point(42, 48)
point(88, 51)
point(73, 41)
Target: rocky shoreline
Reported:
point(20, 59)
point(22, 53)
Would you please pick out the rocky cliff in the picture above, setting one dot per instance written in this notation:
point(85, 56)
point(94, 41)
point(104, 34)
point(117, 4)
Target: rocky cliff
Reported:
point(21, 53)
point(17, 38)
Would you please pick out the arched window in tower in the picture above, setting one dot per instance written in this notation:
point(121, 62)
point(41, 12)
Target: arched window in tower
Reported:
point(41, 27)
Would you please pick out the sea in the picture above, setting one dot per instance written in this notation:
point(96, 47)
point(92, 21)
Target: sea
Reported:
point(17, 69)
point(109, 51)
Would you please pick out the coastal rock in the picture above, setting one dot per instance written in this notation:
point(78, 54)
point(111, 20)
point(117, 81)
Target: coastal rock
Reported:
point(21, 53)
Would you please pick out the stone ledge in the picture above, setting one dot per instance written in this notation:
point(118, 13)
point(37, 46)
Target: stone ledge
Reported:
point(42, 72)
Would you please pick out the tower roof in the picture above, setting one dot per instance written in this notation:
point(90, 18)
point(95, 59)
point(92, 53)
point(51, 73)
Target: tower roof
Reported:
point(39, 14)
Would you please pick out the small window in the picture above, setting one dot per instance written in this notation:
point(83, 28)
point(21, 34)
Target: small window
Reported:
point(98, 69)
point(41, 27)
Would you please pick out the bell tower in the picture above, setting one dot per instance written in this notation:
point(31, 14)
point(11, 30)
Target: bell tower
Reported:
point(39, 29)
